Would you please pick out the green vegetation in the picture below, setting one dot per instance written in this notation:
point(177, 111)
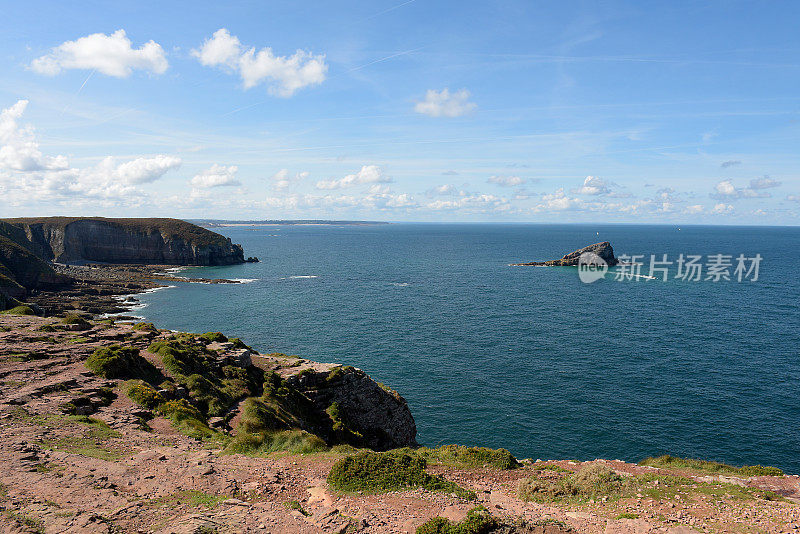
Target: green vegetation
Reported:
point(591, 481)
point(74, 319)
point(717, 468)
point(214, 337)
point(628, 515)
point(143, 394)
point(187, 419)
point(32, 524)
point(117, 361)
point(374, 472)
point(295, 505)
point(478, 521)
point(46, 328)
point(550, 467)
point(293, 441)
point(19, 310)
point(90, 443)
point(145, 327)
point(193, 498)
point(239, 344)
point(469, 457)
point(212, 388)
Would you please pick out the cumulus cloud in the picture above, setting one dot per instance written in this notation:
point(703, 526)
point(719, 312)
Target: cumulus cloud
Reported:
point(445, 104)
point(694, 209)
point(283, 178)
point(216, 176)
point(593, 186)
point(558, 201)
point(481, 203)
point(730, 163)
point(112, 55)
point(506, 181)
point(442, 190)
point(19, 150)
point(147, 170)
point(283, 74)
point(725, 190)
point(369, 174)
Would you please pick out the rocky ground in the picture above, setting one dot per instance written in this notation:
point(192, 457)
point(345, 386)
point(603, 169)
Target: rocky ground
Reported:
point(106, 288)
point(126, 469)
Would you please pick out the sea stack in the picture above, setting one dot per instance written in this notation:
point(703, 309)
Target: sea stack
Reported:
point(604, 250)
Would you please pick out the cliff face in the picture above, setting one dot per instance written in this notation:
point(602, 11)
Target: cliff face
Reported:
point(148, 241)
point(381, 416)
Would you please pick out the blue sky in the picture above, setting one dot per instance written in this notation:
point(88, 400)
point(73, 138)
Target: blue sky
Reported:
point(664, 112)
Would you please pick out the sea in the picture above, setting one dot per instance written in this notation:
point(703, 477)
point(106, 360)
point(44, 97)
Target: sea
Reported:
point(698, 357)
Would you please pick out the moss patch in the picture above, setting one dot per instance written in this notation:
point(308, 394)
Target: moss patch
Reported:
point(19, 310)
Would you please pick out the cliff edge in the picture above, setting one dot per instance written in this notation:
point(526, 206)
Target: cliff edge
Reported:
point(147, 241)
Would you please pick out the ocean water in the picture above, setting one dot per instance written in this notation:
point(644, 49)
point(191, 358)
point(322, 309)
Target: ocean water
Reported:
point(530, 358)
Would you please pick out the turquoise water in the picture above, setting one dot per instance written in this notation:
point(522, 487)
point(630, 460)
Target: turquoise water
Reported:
point(529, 358)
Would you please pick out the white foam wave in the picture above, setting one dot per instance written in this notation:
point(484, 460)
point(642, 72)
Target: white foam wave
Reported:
point(244, 280)
point(400, 284)
point(299, 276)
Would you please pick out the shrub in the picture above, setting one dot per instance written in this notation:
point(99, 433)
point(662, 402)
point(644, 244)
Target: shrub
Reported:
point(478, 521)
point(19, 310)
point(145, 327)
point(186, 418)
point(144, 395)
point(375, 472)
point(295, 505)
point(239, 344)
point(675, 462)
point(120, 362)
point(470, 457)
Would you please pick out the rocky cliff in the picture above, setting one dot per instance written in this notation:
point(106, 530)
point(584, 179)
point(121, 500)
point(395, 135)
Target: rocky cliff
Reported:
point(604, 250)
point(153, 241)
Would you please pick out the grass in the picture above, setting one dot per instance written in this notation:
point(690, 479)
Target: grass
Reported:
point(74, 319)
point(628, 515)
point(89, 443)
point(295, 505)
point(478, 521)
point(117, 361)
point(214, 337)
point(717, 468)
point(469, 457)
point(19, 310)
point(192, 498)
point(33, 524)
point(373, 472)
point(145, 327)
point(591, 481)
point(262, 443)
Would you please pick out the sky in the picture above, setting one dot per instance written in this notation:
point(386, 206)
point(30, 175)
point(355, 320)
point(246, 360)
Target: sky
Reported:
point(403, 110)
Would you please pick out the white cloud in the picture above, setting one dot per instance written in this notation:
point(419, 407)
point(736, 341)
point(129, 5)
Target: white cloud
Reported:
point(369, 174)
point(283, 178)
point(558, 201)
point(445, 104)
point(216, 176)
point(112, 54)
point(147, 170)
point(442, 190)
point(722, 208)
point(285, 74)
point(593, 186)
point(506, 181)
point(793, 198)
point(765, 182)
point(725, 190)
point(481, 203)
point(694, 209)
point(19, 150)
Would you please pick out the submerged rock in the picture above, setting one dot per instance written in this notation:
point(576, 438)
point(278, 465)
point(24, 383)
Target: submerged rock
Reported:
point(604, 250)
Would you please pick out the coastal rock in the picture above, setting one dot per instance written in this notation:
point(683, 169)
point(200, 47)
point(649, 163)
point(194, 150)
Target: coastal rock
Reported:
point(379, 414)
point(146, 241)
point(604, 250)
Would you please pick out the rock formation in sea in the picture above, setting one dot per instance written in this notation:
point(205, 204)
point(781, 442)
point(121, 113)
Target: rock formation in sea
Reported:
point(603, 250)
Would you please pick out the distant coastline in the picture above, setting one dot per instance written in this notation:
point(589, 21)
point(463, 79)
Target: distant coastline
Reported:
point(217, 223)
